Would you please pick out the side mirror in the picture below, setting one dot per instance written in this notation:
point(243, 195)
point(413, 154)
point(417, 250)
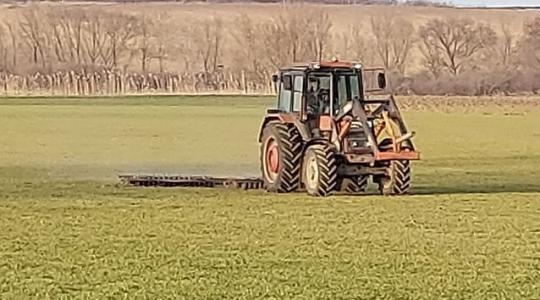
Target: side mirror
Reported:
point(275, 78)
point(287, 82)
point(381, 80)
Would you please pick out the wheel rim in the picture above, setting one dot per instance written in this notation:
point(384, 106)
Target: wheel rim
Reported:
point(312, 173)
point(271, 159)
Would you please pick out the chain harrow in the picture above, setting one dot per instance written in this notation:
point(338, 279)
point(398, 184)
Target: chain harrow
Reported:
point(167, 180)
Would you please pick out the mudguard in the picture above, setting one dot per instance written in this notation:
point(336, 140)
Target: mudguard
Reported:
point(284, 118)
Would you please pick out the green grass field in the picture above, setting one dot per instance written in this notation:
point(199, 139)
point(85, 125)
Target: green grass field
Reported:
point(470, 229)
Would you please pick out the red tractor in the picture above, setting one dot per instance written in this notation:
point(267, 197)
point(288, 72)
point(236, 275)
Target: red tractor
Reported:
point(327, 135)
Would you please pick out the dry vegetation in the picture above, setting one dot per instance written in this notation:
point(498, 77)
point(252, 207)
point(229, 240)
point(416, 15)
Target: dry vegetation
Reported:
point(171, 48)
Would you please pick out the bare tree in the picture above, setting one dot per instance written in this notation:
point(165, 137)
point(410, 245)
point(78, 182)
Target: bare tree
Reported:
point(34, 35)
point(4, 49)
point(208, 38)
point(276, 51)
point(355, 45)
point(161, 54)
point(530, 45)
point(321, 34)
point(151, 41)
point(8, 46)
point(433, 60)
point(394, 39)
point(531, 50)
point(184, 50)
point(162, 46)
point(298, 33)
point(506, 46)
point(121, 32)
point(94, 37)
point(250, 54)
point(145, 41)
point(453, 42)
point(290, 26)
point(13, 34)
point(67, 34)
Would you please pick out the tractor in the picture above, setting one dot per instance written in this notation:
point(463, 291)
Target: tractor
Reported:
point(333, 129)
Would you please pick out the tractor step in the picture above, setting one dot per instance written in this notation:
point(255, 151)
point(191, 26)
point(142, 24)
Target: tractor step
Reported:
point(168, 180)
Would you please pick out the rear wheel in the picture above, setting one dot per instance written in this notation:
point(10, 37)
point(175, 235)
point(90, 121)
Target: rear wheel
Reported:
point(319, 170)
point(397, 181)
point(281, 151)
point(354, 185)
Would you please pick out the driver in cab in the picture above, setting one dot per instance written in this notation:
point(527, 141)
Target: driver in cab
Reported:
point(318, 98)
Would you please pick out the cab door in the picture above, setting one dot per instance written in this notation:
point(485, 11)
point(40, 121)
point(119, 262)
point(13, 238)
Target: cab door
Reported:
point(291, 93)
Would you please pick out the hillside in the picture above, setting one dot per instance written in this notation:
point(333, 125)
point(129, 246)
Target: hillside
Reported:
point(235, 37)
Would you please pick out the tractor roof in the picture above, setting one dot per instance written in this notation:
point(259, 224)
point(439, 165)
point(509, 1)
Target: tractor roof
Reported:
point(334, 64)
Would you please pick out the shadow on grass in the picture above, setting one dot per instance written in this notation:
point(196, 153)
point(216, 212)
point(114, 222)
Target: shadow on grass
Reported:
point(474, 189)
point(38, 182)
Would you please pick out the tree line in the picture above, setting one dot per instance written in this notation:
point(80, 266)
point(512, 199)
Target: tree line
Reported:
point(441, 56)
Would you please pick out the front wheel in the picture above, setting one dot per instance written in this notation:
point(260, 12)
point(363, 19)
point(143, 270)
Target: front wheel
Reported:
point(397, 181)
point(319, 170)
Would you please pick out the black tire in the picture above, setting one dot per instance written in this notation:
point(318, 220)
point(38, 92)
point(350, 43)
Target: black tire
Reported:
point(398, 178)
point(289, 147)
point(319, 170)
point(354, 185)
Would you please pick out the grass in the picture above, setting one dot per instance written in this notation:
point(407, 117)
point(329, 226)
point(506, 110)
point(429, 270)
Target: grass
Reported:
point(469, 231)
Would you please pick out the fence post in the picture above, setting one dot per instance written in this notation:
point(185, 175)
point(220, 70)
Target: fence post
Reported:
point(244, 82)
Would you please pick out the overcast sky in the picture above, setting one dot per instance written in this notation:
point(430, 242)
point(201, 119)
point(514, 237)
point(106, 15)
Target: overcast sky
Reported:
point(496, 2)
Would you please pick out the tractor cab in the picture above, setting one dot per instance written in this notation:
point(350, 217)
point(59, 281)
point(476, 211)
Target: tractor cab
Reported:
point(325, 121)
point(315, 89)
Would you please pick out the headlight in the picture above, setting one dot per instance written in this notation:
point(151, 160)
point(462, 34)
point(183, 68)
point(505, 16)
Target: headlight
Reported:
point(357, 143)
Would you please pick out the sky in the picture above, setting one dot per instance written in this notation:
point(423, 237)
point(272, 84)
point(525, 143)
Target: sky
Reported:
point(496, 2)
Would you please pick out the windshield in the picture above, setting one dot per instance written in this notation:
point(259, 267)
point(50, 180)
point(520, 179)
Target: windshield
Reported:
point(318, 94)
point(327, 94)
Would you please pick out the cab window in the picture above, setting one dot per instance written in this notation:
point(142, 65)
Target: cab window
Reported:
point(347, 89)
point(285, 93)
point(298, 92)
